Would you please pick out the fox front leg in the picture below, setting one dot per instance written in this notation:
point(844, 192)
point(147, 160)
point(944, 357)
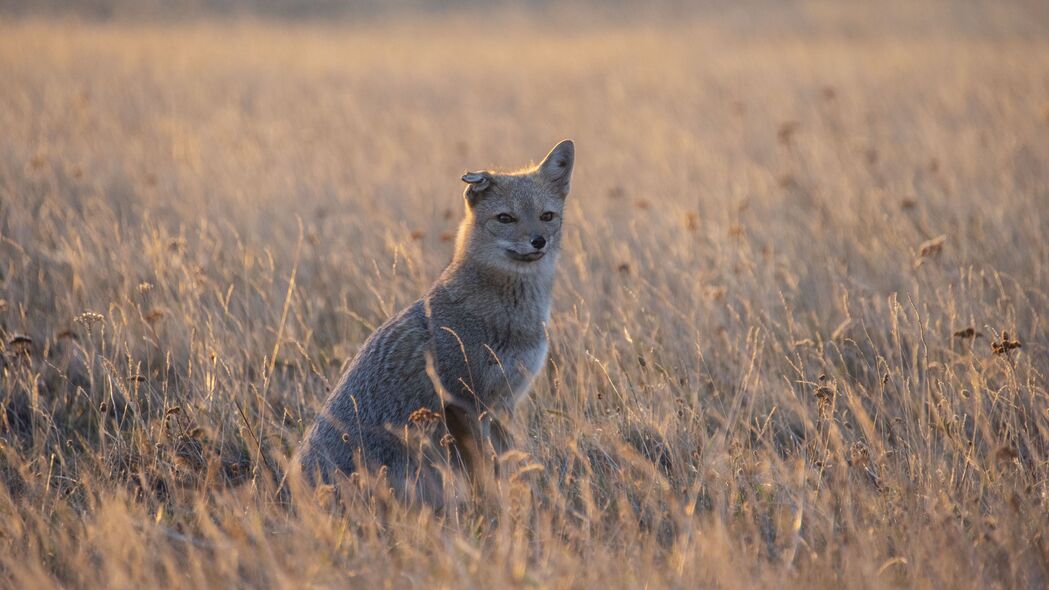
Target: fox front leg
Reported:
point(500, 438)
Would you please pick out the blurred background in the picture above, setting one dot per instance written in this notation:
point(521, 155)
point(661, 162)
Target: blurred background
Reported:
point(971, 17)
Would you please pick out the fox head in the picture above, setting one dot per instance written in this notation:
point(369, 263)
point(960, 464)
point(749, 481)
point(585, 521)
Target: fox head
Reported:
point(513, 220)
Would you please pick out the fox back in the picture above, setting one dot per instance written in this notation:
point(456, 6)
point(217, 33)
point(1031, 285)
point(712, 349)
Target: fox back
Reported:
point(429, 391)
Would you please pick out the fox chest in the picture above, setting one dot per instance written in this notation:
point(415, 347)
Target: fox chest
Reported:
point(497, 366)
point(510, 372)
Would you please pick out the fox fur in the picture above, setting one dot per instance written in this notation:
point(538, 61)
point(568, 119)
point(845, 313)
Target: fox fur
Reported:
point(456, 363)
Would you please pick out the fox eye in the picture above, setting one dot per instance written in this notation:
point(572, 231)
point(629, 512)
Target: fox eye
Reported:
point(549, 215)
point(505, 218)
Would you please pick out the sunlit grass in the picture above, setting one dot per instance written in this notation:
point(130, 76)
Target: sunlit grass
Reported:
point(799, 335)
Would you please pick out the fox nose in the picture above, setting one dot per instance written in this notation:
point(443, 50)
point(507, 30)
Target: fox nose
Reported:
point(538, 242)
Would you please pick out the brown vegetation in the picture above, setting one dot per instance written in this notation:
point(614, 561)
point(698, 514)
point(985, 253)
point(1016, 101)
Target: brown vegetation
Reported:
point(765, 363)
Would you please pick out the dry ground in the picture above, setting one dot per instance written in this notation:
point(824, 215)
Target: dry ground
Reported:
point(800, 331)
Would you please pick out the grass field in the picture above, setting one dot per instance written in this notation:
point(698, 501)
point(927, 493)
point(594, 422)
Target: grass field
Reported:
point(800, 329)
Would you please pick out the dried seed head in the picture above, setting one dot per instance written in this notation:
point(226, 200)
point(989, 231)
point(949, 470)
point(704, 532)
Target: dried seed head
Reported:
point(859, 455)
point(930, 249)
point(968, 333)
point(691, 221)
point(176, 245)
point(824, 400)
point(825, 394)
point(424, 417)
point(89, 318)
point(1005, 345)
point(324, 492)
point(786, 132)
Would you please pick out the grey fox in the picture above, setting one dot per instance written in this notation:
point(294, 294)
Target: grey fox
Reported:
point(456, 363)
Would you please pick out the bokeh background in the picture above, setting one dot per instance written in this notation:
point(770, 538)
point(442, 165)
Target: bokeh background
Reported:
point(799, 333)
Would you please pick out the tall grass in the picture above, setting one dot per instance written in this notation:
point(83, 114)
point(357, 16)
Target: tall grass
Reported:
point(799, 335)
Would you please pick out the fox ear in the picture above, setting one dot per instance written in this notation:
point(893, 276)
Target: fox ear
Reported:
point(478, 183)
point(556, 168)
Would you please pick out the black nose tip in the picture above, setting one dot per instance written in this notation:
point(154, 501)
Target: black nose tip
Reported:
point(538, 242)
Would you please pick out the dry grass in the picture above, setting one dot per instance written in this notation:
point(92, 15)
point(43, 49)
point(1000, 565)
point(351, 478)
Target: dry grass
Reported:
point(800, 331)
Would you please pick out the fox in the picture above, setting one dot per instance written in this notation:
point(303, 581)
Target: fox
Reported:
point(462, 357)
